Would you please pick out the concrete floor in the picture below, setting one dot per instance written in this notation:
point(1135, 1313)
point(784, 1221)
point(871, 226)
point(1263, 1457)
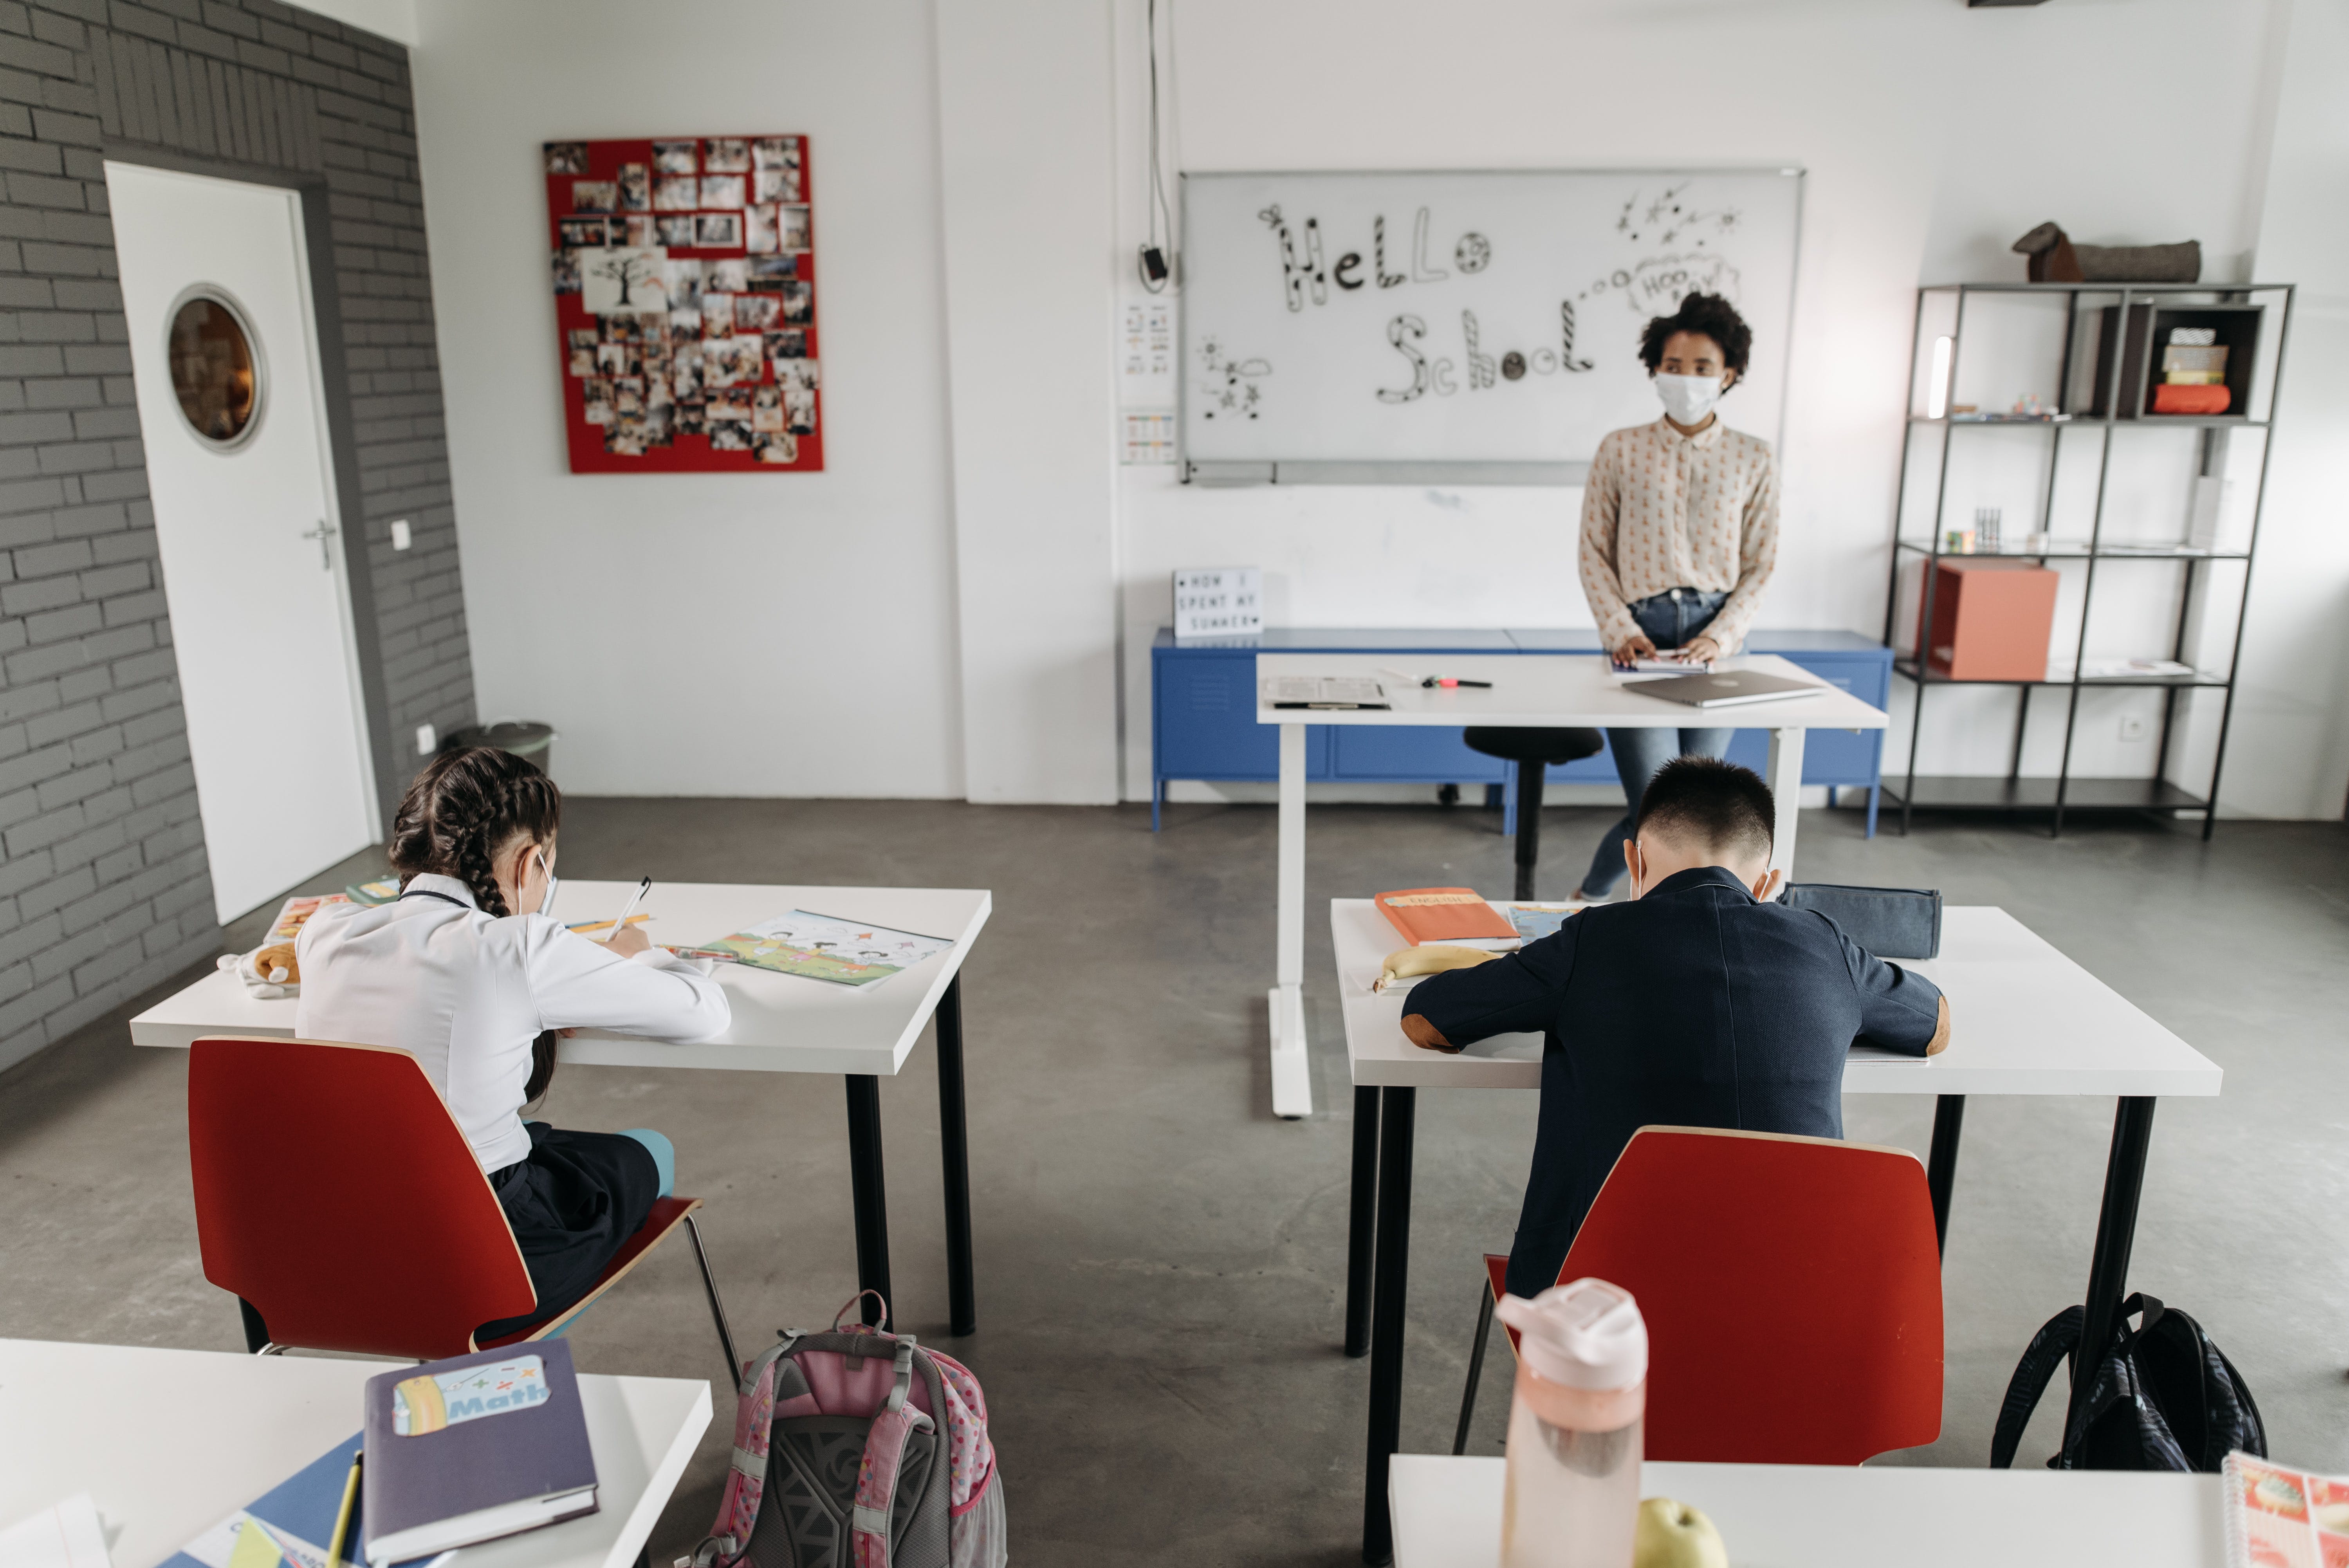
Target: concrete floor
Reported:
point(1162, 1264)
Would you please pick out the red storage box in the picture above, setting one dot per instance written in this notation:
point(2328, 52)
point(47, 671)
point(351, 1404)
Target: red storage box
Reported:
point(1992, 621)
point(2175, 400)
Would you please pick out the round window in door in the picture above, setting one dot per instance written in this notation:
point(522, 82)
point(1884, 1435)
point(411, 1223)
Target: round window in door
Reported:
point(215, 368)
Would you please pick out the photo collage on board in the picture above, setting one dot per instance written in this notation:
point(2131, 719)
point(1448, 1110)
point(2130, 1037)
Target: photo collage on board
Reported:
point(685, 295)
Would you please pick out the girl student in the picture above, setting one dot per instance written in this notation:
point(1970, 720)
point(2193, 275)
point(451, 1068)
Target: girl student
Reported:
point(1679, 536)
point(466, 973)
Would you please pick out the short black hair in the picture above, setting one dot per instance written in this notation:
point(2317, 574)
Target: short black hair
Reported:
point(1708, 316)
point(1726, 808)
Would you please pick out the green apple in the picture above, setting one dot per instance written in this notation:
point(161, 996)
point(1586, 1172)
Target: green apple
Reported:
point(1674, 1535)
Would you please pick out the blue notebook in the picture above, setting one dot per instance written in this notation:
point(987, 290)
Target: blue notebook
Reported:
point(288, 1525)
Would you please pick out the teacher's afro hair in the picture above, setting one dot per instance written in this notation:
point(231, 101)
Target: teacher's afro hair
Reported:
point(1710, 804)
point(1708, 316)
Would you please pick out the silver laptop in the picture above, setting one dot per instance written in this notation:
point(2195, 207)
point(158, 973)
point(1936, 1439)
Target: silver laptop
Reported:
point(1723, 688)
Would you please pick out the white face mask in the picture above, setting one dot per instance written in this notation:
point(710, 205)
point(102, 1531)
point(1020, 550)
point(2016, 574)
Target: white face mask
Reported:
point(1688, 398)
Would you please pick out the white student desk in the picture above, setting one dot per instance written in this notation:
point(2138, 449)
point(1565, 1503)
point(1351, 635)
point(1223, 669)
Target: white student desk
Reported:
point(1447, 1514)
point(2024, 1019)
point(1529, 691)
point(781, 1023)
point(168, 1443)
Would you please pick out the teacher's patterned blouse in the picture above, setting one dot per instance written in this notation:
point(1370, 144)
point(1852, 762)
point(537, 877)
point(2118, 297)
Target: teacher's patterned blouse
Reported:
point(1662, 511)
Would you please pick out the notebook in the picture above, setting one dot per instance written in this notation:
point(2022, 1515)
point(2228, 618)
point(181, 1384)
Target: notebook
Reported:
point(475, 1448)
point(1456, 917)
point(1725, 690)
point(1324, 692)
point(288, 1526)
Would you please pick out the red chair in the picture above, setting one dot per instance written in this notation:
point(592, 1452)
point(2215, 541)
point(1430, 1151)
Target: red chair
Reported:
point(1792, 1288)
point(336, 1197)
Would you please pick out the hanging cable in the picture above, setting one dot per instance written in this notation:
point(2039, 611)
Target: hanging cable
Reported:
point(1157, 267)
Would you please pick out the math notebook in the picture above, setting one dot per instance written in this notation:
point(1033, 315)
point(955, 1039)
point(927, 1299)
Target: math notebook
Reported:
point(473, 1448)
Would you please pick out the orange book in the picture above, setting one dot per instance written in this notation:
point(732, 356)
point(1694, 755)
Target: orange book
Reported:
point(1457, 915)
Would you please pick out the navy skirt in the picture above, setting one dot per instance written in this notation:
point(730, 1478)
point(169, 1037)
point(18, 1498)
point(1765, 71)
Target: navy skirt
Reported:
point(573, 1203)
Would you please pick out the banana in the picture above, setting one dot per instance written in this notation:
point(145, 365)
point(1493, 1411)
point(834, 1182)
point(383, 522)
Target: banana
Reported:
point(1405, 963)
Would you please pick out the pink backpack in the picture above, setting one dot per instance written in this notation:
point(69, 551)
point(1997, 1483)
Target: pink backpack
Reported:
point(858, 1449)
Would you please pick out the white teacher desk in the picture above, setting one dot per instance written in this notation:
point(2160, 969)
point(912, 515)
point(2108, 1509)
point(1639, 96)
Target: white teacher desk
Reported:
point(1529, 691)
point(781, 1023)
point(1447, 1514)
point(2024, 1019)
point(168, 1443)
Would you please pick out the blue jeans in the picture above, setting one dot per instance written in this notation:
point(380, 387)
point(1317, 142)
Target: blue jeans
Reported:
point(1670, 619)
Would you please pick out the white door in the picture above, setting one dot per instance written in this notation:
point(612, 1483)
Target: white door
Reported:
point(216, 287)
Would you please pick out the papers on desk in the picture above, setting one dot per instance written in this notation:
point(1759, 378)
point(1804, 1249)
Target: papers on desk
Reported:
point(1323, 691)
point(1661, 664)
point(822, 947)
point(1534, 921)
point(64, 1535)
point(288, 1526)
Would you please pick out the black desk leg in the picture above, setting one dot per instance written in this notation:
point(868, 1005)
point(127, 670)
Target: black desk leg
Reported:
point(872, 1202)
point(2115, 1231)
point(1360, 1220)
point(1941, 1165)
point(953, 1150)
point(1390, 1267)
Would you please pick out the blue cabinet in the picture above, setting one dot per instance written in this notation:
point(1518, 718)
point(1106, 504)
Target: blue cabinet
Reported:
point(1203, 711)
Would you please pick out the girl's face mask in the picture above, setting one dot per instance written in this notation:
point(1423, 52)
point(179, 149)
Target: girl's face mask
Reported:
point(544, 865)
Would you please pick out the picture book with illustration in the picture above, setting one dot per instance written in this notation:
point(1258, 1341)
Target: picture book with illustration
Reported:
point(823, 946)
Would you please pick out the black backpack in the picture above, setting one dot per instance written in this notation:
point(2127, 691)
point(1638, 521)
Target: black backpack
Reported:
point(2164, 1397)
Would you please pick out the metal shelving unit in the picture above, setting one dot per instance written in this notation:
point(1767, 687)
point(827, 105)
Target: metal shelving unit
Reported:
point(2092, 313)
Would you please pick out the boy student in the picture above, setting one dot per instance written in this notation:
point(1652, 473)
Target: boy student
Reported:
point(1698, 1003)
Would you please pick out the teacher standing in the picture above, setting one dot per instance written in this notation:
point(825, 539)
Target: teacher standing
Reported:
point(1679, 536)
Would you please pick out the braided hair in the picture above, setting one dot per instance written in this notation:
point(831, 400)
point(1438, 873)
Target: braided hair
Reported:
point(465, 806)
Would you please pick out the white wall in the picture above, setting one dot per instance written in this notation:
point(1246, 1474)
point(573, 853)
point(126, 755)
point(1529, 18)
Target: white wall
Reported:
point(703, 634)
point(974, 539)
point(1024, 95)
point(2289, 755)
point(1933, 135)
point(393, 20)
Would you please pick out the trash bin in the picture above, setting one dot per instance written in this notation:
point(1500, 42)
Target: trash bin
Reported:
point(534, 742)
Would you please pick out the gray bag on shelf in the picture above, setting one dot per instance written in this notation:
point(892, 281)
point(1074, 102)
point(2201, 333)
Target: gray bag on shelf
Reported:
point(1890, 922)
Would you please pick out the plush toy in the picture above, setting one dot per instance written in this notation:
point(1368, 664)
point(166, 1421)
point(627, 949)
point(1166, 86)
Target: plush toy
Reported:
point(269, 972)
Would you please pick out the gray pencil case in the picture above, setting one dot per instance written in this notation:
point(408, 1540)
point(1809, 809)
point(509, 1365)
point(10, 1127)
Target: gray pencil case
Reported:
point(1890, 922)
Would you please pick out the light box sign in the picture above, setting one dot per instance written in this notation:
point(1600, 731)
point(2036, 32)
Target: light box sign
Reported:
point(1218, 601)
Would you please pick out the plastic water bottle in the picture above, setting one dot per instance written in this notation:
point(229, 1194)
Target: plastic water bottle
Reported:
point(1573, 1494)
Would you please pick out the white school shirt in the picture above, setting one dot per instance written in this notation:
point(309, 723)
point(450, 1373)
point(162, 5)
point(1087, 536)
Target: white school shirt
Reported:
point(466, 992)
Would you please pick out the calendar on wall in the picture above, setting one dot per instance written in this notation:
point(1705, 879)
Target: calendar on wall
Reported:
point(685, 300)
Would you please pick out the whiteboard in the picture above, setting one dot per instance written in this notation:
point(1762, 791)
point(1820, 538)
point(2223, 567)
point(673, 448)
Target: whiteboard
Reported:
point(1422, 325)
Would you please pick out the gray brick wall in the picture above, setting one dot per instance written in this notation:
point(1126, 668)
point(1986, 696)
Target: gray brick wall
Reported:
point(104, 887)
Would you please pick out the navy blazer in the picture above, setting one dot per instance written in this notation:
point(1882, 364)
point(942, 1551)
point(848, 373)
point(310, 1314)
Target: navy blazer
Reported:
point(1693, 1006)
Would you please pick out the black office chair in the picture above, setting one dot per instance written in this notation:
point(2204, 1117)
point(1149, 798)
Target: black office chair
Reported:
point(1533, 751)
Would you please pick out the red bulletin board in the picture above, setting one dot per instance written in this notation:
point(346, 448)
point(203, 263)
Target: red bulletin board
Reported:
point(685, 304)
